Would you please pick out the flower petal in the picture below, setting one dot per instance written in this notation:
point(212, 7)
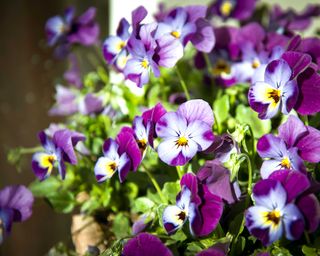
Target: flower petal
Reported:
point(293, 222)
point(271, 146)
point(310, 208)
point(268, 167)
point(309, 145)
point(171, 219)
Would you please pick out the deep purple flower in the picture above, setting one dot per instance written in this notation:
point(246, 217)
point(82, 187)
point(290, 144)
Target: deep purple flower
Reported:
point(218, 249)
point(295, 143)
point(111, 162)
point(277, 92)
point(15, 206)
point(185, 132)
point(142, 133)
point(114, 47)
point(217, 178)
point(273, 214)
point(196, 204)
point(145, 244)
point(238, 9)
point(59, 149)
point(68, 30)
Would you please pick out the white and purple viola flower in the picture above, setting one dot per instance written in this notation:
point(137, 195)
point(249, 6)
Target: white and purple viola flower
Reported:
point(278, 91)
point(115, 47)
point(280, 207)
point(195, 204)
point(145, 244)
point(58, 150)
point(185, 132)
point(188, 24)
point(15, 206)
point(294, 144)
point(121, 155)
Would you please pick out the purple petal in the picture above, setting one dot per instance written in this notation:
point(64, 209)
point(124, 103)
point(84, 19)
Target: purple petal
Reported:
point(217, 179)
point(270, 146)
point(19, 199)
point(203, 39)
point(66, 140)
point(127, 144)
point(244, 9)
point(169, 51)
point(146, 34)
point(54, 28)
point(171, 124)
point(145, 244)
point(41, 167)
point(110, 148)
point(292, 130)
point(200, 133)
point(190, 181)
point(141, 224)
point(213, 252)
point(310, 208)
point(194, 110)
point(297, 61)
point(137, 16)
point(268, 167)
point(309, 145)
point(309, 84)
point(91, 104)
point(124, 167)
point(123, 29)
point(154, 114)
point(195, 12)
point(294, 183)
point(289, 96)
point(73, 74)
point(62, 169)
point(293, 222)
point(86, 35)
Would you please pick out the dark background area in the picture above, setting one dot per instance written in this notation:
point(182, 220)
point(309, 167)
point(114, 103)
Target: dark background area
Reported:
point(27, 87)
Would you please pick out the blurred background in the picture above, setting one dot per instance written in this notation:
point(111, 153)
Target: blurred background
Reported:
point(28, 74)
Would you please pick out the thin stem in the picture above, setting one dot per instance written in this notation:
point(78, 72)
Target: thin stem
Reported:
point(183, 84)
point(249, 172)
point(306, 235)
point(208, 63)
point(30, 150)
point(179, 171)
point(253, 152)
point(156, 185)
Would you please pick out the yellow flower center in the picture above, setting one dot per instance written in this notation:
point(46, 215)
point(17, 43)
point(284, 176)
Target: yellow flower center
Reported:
point(273, 95)
point(145, 63)
point(286, 163)
point(226, 8)
point(182, 141)
point(176, 34)
point(120, 45)
point(256, 64)
point(220, 68)
point(272, 218)
point(111, 167)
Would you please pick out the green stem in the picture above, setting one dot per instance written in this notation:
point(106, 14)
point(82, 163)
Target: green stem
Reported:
point(306, 235)
point(208, 63)
point(156, 186)
point(30, 150)
point(183, 84)
point(249, 187)
point(179, 171)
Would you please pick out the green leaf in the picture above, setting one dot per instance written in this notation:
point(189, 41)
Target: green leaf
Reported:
point(245, 115)
point(62, 201)
point(309, 251)
point(221, 108)
point(121, 226)
point(170, 191)
point(280, 251)
point(46, 187)
point(142, 204)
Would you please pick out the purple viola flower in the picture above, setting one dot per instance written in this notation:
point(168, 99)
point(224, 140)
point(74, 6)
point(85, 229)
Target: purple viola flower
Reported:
point(59, 149)
point(142, 133)
point(185, 132)
point(196, 204)
point(91, 104)
point(145, 244)
point(66, 102)
point(112, 162)
point(15, 206)
point(114, 47)
point(273, 214)
point(217, 179)
point(277, 92)
point(188, 24)
point(218, 249)
point(295, 143)
point(122, 155)
point(238, 9)
point(67, 30)
point(73, 74)
point(142, 223)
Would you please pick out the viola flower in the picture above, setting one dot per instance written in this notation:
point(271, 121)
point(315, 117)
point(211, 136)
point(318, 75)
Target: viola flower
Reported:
point(185, 132)
point(237, 9)
point(73, 74)
point(122, 155)
point(280, 207)
point(15, 206)
point(114, 47)
point(66, 102)
point(272, 216)
point(142, 133)
point(196, 204)
point(90, 104)
point(276, 92)
point(145, 244)
point(112, 162)
point(188, 24)
point(218, 249)
point(68, 30)
point(295, 143)
point(58, 150)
